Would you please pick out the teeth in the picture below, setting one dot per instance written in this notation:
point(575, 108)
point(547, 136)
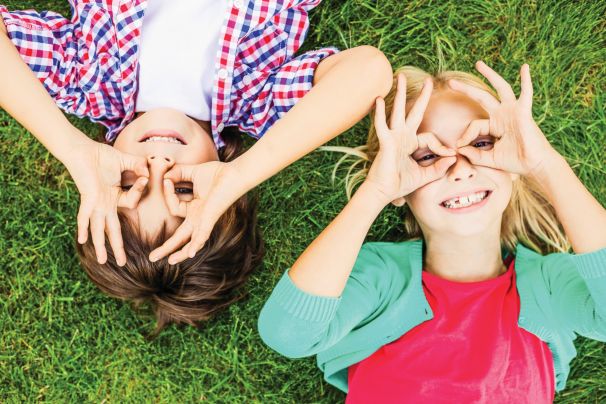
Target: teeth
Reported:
point(465, 201)
point(163, 139)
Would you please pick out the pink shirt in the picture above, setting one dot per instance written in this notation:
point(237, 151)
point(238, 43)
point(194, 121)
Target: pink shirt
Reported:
point(471, 351)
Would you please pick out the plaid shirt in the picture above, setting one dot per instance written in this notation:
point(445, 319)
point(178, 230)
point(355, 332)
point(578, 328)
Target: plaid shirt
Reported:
point(89, 63)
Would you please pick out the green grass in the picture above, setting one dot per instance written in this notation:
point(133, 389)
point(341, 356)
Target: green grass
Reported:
point(62, 340)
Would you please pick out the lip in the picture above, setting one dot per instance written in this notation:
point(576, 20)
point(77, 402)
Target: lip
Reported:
point(469, 208)
point(164, 133)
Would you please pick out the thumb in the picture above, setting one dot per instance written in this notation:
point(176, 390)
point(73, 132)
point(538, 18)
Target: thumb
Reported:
point(138, 164)
point(477, 156)
point(181, 172)
point(437, 170)
point(399, 202)
point(131, 198)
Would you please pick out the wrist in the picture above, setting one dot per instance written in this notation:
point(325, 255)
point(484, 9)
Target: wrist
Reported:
point(375, 199)
point(550, 165)
point(73, 146)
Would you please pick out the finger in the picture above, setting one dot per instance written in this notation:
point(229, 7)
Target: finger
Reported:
point(415, 116)
point(181, 172)
point(115, 238)
point(482, 97)
point(475, 128)
point(180, 237)
point(437, 170)
point(131, 198)
point(86, 209)
point(399, 202)
point(499, 83)
point(198, 240)
point(380, 121)
point(97, 229)
point(176, 207)
point(398, 110)
point(478, 157)
point(526, 85)
point(138, 164)
point(428, 139)
point(179, 256)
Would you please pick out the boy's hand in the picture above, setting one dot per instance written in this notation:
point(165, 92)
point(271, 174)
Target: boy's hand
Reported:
point(394, 173)
point(215, 189)
point(520, 146)
point(97, 171)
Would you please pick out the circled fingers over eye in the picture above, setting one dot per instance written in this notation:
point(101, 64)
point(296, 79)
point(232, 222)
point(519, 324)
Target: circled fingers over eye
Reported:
point(429, 140)
point(476, 128)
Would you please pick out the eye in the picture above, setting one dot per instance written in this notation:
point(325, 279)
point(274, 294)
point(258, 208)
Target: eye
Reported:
point(181, 190)
point(427, 159)
point(483, 141)
point(125, 188)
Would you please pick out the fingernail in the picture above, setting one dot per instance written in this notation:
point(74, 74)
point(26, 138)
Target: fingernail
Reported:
point(153, 258)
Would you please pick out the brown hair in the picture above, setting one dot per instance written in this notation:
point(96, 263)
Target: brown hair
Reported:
point(197, 288)
point(528, 218)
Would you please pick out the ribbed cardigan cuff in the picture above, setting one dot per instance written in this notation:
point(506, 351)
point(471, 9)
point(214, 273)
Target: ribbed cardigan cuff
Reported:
point(591, 265)
point(303, 305)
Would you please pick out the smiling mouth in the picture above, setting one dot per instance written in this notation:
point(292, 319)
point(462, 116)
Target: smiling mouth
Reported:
point(165, 136)
point(466, 201)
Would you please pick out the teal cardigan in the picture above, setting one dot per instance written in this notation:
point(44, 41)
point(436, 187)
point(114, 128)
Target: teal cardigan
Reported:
point(561, 295)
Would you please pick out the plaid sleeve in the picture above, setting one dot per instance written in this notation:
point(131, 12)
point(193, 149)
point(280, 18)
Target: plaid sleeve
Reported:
point(272, 79)
point(75, 59)
point(281, 91)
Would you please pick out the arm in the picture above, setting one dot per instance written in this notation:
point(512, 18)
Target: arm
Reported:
point(21, 93)
point(581, 215)
point(345, 85)
point(96, 168)
point(577, 286)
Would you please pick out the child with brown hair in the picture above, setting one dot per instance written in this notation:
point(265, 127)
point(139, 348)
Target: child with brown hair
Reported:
point(166, 79)
point(483, 302)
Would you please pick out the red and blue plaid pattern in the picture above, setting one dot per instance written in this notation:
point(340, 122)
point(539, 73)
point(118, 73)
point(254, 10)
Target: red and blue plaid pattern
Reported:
point(89, 63)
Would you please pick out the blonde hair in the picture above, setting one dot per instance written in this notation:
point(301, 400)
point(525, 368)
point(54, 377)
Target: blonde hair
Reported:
point(529, 218)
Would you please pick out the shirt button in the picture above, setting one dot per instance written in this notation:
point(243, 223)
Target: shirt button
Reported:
point(220, 127)
point(238, 4)
point(222, 73)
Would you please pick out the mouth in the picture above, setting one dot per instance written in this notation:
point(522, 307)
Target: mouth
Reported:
point(468, 202)
point(165, 136)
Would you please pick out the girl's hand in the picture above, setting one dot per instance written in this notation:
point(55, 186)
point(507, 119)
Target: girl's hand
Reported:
point(520, 146)
point(214, 188)
point(97, 171)
point(394, 173)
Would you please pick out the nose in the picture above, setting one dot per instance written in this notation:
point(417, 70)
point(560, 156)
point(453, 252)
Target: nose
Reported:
point(159, 164)
point(461, 170)
point(156, 158)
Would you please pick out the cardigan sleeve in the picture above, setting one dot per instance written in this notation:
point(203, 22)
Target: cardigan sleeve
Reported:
point(298, 324)
point(577, 286)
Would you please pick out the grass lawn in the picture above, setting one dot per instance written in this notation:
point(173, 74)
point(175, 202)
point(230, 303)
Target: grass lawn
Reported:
point(63, 341)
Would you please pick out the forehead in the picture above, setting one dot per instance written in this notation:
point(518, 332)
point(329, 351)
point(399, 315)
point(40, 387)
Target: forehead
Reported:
point(151, 223)
point(448, 114)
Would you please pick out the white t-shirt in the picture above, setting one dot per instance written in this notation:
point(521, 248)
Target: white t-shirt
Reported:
point(177, 51)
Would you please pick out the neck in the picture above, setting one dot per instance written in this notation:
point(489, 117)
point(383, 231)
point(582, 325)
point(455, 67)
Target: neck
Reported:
point(464, 259)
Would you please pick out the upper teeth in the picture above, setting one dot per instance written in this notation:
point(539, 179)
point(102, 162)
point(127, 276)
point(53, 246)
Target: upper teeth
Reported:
point(463, 201)
point(163, 139)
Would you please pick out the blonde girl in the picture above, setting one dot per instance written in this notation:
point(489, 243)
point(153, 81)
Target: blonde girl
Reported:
point(483, 301)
